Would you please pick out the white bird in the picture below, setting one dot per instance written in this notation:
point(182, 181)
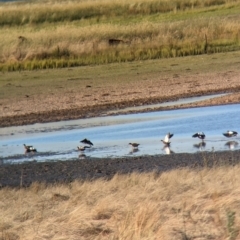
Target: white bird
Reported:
point(166, 140)
point(134, 145)
point(199, 135)
point(82, 148)
point(230, 134)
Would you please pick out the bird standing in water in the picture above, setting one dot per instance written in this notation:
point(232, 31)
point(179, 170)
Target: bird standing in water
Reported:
point(166, 140)
point(199, 135)
point(29, 148)
point(230, 134)
point(134, 145)
point(82, 148)
point(86, 141)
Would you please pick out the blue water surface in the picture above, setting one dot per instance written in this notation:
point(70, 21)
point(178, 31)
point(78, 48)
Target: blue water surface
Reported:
point(111, 134)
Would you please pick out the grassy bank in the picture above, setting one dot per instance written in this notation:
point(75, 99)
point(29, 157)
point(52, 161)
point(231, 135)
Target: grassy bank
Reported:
point(180, 204)
point(50, 34)
point(15, 85)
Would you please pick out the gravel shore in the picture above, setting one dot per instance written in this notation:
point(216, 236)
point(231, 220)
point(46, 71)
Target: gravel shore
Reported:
point(23, 175)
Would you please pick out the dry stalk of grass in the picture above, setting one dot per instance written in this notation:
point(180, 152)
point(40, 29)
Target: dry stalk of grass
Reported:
point(180, 204)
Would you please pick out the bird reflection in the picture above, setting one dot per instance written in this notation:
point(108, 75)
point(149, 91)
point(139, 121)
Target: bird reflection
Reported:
point(200, 145)
point(168, 150)
point(133, 150)
point(231, 144)
point(82, 156)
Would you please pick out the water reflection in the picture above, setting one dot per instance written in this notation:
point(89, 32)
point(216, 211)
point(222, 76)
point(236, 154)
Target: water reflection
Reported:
point(82, 156)
point(168, 150)
point(111, 135)
point(231, 144)
point(200, 145)
point(134, 150)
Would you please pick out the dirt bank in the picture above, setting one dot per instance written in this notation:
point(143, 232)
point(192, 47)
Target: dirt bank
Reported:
point(65, 105)
point(88, 169)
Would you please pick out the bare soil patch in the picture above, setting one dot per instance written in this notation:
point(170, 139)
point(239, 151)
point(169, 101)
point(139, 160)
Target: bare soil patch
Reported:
point(93, 100)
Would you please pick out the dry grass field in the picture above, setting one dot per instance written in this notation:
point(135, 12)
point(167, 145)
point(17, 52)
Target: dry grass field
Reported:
point(58, 34)
point(180, 204)
point(173, 49)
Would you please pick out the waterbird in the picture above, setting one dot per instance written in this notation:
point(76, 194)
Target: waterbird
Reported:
point(82, 148)
point(199, 135)
point(166, 140)
point(86, 141)
point(134, 145)
point(230, 134)
point(29, 148)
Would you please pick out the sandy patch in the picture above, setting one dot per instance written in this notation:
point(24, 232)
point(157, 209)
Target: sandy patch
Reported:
point(96, 100)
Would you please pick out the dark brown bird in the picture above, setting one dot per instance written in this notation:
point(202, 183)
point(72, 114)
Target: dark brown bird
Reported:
point(134, 145)
point(86, 141)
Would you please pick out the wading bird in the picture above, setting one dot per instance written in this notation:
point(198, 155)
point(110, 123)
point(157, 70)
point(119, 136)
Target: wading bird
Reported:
point(199, 135)
point(134, 145)
point(166, 140)
point(29, 148)
point(86, 141)
point(82, 148)
point(230, 134)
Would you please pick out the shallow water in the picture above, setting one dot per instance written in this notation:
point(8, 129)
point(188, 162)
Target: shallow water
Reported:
point(111, 135)
point(170, 103)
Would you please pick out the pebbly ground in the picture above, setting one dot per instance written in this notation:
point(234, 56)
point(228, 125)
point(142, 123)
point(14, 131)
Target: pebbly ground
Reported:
point(23, 175)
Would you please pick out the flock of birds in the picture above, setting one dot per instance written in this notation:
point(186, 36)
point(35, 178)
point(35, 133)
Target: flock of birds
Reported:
point(166, 141)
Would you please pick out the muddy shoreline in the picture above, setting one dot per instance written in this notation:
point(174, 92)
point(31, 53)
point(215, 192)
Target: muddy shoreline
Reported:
point(23, 175)
point(103, 109)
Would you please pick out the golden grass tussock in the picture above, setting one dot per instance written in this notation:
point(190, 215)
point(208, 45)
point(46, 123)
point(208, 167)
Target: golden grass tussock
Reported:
point(179, 204)
point(53, 11)
point(72, 42)
point(57, 34)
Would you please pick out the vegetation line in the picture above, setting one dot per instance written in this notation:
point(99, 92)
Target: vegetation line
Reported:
point(179, 204)
point(50, 34)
